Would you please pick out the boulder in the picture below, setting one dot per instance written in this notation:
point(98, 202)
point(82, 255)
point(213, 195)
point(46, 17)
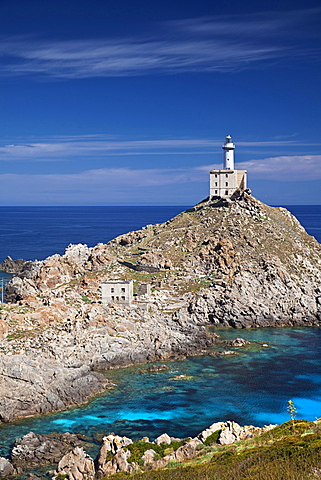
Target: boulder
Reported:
point(208, 431)
point(164, 438)
point(148, 457)
point(6, 468)
point(119, 463)
point(77, 465)
point(34, 450)
point(112, 444)
point(232, 432)
point(183, 453)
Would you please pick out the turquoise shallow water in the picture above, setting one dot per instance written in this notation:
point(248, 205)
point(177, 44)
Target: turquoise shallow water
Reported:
point(252, 388)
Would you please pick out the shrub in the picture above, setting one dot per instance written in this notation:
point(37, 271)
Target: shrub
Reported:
point(212, 438)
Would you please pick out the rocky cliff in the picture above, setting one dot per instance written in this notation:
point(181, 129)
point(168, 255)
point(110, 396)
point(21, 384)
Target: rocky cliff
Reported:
point(236, 263)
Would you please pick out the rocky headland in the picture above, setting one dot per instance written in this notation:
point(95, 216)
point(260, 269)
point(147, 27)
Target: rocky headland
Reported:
point(226, 263)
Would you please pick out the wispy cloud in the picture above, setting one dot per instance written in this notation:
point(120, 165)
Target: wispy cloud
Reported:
point(124, 184)
point(99, 146)
point(220, 44)
point(286, 168)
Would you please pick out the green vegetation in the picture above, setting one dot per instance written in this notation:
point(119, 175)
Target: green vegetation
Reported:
point(278, 454)
point(138, 449)
point(85, 299)
point(212, 438)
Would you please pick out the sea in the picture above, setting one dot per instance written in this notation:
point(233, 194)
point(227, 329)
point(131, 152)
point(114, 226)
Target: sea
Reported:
point(251, 388)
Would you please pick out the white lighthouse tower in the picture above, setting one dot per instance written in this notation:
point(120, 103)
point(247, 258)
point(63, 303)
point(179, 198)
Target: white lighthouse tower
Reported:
point(225, 182)
point(228, 148)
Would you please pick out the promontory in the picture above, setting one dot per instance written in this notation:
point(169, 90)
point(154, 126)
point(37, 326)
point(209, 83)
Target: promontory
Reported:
point(225, 262)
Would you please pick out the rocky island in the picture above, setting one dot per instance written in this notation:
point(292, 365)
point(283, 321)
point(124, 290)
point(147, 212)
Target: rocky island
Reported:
point(225, 262)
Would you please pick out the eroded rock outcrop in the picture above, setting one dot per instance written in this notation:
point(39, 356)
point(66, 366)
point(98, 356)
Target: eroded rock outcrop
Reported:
point(77, 465)
point(36, 450)
point(29, 386)
point(238, 263)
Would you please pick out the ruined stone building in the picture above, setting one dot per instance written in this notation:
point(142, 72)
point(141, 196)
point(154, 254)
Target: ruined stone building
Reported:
point(117, 291)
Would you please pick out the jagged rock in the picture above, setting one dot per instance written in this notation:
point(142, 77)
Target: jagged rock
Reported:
point(77, 253)
point(113, 443)
point(183, 453)
point(77, 465)
point(148, 457)
point(33, 449)
point(239, 342)
point(208, 431)
point(6, 468)
point(119, 463)
point(12, 266)
point(164, 438)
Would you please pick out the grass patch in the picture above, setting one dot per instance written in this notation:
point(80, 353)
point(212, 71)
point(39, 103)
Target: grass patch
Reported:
point(278, 454)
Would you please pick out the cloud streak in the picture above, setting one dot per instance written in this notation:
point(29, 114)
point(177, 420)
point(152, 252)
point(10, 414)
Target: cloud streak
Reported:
point(92, 146)
point(215, 44)
point(110, 184)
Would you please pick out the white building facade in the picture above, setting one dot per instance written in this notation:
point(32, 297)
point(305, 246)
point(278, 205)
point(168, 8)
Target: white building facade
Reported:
point(117, 291)
point(223, 183)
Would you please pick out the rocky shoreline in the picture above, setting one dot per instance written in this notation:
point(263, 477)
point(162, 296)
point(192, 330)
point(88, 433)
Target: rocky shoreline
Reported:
point(116, 453)
point(235, 263)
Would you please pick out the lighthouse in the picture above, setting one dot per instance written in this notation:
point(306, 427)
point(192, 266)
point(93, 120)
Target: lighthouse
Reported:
point(224, 183)
point(228, 148)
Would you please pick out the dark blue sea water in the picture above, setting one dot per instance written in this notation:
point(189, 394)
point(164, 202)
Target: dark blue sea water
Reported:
point(37, 232)
point(251, 388)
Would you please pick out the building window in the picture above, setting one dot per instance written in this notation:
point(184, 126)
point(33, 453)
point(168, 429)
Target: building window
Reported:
point(215, 175)
point(226, 192)
point(215, 184)
point(226, 175)
point(226, 184)
point(113, 298)
point(123, 299)
point(112, 290)
point(117, 298)
point(215, 192)
point(123, 290)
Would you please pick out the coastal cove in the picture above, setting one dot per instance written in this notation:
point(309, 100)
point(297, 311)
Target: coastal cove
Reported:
point(250, 388)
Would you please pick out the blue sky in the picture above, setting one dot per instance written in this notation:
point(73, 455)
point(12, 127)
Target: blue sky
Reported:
point(120, 103)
